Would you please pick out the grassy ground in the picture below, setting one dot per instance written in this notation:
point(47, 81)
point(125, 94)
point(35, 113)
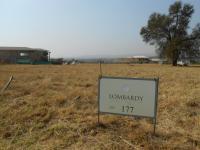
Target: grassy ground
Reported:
point(55, 107)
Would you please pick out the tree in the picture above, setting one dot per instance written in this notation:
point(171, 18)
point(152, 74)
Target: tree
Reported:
point(169, 33)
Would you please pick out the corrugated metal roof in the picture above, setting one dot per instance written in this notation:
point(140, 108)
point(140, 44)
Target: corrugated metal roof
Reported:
point(20, 49)
point(138, 57)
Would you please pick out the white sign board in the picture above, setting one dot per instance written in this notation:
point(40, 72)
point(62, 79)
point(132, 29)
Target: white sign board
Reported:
point(128, 96)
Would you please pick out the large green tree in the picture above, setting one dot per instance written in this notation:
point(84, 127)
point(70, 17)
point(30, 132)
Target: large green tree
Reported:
point(170, 33)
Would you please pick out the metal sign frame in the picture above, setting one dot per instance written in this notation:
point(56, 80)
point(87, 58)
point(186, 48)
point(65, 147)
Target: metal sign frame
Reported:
point(154, 118)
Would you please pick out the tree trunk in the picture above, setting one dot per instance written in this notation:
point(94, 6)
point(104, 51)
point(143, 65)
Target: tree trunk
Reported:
point(175, 58)
point(174, 63)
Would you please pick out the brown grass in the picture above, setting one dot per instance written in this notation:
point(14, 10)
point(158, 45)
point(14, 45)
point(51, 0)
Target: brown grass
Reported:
point(55, 107)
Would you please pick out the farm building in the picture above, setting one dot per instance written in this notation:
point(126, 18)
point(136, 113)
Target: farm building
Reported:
point(136, 59)
point(159, 60)
point(24, 55)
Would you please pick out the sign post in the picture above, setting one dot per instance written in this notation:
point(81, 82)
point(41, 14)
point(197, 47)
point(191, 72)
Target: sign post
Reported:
point(128, 96)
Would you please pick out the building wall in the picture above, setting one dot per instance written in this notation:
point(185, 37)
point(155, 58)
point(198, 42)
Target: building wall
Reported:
point(13, 56)
point(8, 56)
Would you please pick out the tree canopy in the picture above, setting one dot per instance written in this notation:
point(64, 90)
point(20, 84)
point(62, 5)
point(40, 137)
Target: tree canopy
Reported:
point(170, 33)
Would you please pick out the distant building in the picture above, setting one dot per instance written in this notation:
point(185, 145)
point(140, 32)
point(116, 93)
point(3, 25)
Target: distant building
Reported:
point(159, 60)
point(138, 59)
point(24, 55)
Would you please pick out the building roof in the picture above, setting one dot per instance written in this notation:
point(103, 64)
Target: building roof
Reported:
point(155, 59)
point(20, 49)
point(158, 59)
point(138, 57)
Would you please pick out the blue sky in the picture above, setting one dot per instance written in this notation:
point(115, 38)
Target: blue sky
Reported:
point(75, 28)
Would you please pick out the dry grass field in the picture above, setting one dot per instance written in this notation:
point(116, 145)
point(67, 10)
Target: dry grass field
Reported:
point(55, 107)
